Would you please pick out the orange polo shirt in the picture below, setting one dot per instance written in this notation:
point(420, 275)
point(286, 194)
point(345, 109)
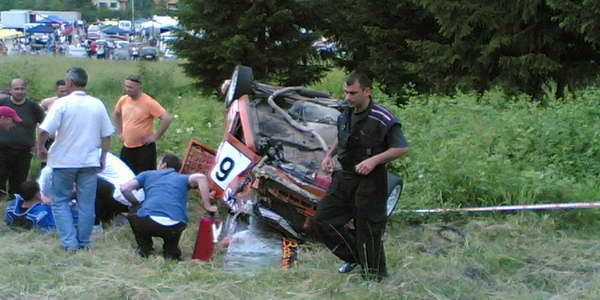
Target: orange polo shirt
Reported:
point(136, 118)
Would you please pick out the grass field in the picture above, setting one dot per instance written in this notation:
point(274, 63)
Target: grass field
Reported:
point(485, 256)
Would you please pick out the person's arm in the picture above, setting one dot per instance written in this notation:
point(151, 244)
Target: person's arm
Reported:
point(105, 146)
point(42, 137)
point(118, 124)
point(127, 189)
point(165, 121)
point(327, 162)
point(367, 165)
point(199, 181)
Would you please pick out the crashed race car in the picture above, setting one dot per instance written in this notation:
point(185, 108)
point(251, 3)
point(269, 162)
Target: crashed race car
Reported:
point(267, 166)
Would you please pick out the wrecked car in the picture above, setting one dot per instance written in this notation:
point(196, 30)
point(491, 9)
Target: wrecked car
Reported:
point(267, 165)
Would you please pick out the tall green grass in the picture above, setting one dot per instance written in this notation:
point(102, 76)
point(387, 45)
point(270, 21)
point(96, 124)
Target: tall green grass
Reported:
point(463, 153)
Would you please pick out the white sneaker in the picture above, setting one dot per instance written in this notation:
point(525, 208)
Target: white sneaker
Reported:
point(97, 229)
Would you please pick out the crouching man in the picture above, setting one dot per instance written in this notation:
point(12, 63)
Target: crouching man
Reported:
point(163, 212)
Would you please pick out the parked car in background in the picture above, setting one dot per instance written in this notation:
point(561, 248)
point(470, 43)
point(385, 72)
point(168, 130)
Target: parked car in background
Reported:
point(121, 54)
point(149, 53)
point(122, 44)
point(76, 51)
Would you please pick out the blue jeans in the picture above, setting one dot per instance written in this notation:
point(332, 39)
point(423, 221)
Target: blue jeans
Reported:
point(73, 237)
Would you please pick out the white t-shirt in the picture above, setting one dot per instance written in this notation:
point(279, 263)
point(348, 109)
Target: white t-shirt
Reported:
point(116, 172)
point(79, 122)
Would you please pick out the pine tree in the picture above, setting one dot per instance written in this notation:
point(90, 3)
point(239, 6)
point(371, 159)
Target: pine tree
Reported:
point(517, 45)
point(273, 37)
point(373, 37)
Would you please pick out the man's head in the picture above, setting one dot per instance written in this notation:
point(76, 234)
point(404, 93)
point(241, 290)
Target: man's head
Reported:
point(76, 78)
point(8, 117)
point(357, 89)
point(30, 190)
point(132, 86)
point(169, 160)
point(61, 88)
point(18, 89)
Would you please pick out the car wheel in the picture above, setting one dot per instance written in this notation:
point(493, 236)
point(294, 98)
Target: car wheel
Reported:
point(395, 186)
point(241, 84)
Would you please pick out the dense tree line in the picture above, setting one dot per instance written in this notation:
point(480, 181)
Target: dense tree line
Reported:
point(437, 46)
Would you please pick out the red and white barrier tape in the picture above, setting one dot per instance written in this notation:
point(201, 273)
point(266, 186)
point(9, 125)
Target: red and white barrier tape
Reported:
point(506, 208)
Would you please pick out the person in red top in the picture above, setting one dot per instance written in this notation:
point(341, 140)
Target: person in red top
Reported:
point(134, 115)
point(8, 118)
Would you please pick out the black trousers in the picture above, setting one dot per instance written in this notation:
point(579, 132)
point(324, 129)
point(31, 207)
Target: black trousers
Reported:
point(140, 159)
point(362, 199)
point(144, 228)
point(106, 206)
point(14, 168)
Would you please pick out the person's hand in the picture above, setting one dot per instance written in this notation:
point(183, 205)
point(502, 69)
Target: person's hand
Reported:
point(149, 139)
point(327, 164)
point(366, 166)
point(42, 153)
point(211, 208)
point(132, 210)
point(46, 200)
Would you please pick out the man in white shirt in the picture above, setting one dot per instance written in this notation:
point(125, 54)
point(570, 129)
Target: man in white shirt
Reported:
point(81, 126)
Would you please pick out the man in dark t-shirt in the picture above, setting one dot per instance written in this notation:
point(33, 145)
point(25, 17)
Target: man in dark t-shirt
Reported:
point(16, 145)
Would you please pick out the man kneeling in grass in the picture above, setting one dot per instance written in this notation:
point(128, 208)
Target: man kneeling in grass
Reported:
point(163, 212)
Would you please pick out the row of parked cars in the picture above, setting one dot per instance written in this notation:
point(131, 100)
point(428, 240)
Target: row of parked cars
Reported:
point(121, 51)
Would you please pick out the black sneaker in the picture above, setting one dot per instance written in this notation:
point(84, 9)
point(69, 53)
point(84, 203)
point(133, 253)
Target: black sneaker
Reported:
point(347, 267)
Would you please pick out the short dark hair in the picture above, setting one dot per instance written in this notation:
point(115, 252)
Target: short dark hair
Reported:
point(171, 160)
point(78, 76)
point(363, 80)
point(29, 189)
point(11, 82)
point(59, 83)
point(134, 78)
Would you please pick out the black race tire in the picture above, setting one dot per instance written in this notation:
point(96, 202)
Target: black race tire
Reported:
point(241, 84)
point(395, 186)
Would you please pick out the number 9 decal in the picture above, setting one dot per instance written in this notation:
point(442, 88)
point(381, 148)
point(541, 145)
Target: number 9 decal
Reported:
point(230, 163)
point(225, 168)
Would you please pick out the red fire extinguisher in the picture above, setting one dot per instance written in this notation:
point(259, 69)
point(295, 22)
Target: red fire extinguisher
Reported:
point(208, 232)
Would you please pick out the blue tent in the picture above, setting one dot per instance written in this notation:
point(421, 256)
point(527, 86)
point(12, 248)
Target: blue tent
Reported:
point(40, 29)
point(52, 20)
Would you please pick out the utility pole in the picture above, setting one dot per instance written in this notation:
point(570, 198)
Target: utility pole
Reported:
point(132, 14)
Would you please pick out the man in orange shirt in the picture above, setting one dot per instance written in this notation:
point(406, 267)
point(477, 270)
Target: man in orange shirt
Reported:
point(134, 114)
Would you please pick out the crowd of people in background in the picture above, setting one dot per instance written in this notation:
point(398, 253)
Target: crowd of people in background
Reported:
point(82, 186)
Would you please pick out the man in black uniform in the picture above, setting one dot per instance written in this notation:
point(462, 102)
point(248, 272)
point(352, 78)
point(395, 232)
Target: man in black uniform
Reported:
point(368, 137)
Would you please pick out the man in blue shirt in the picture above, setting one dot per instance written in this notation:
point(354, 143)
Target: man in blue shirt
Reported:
point(163, 212)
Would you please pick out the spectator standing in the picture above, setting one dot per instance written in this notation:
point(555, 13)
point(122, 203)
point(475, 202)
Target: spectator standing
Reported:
point(163, 212)
point(82, 127)
point(369, 136)
point(60, 89)
point(8, 118)
point(134, 114)
point(17, 145)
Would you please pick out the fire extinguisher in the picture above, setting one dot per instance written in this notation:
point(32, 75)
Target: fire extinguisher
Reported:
point(208, 233)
